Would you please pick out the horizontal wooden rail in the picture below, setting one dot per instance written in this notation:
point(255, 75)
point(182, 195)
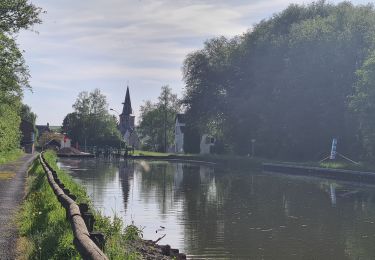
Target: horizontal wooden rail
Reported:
point(80, 219)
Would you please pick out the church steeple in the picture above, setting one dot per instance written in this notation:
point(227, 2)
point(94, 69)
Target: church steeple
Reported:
point(127, 109)
point(126, 118)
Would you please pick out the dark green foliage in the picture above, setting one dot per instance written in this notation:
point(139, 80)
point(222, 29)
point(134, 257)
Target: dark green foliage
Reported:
point(18, 14)
point(363, 103)
point(191, 139)
point(14, 15)
point(90, 123)
point(9, 127)
point(286, 83)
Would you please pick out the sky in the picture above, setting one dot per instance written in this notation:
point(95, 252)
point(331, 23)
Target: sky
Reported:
point(109, 44)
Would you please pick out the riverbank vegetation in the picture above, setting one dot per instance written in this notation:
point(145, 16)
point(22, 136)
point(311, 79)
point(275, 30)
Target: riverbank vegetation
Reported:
point(45, 230)
point(291, 84)
point(9, 156)
point(14, 16)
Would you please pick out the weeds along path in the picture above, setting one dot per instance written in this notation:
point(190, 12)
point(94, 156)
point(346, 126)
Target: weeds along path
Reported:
point(12, 190)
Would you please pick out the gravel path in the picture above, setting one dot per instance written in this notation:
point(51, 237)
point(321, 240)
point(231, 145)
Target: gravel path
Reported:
point(12, 191)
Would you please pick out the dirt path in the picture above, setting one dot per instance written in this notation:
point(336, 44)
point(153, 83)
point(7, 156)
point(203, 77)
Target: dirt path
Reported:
point(12, 189)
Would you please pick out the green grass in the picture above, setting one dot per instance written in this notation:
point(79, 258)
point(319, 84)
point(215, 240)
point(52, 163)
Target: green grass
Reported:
point(10, 156)
point(343, 165)
point(148, 153)
point(42, 221)
point(234, 162)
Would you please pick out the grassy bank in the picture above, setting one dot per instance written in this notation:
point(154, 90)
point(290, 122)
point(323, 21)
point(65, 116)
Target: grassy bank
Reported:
point(10, 156)
point(149, 153)
point(236, 162)
point(45, 232)
point(343, 165)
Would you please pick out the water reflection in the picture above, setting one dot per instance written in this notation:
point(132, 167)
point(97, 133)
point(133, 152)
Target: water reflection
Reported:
point(211, 213)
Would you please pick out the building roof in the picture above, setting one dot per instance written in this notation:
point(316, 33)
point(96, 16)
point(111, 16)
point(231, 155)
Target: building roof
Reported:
point(181, 118)
point(127, 108)
point(43, 128)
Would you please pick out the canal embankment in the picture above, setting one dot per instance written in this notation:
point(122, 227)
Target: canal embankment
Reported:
point(330, 170)
point(328, 173)
point(47, 233)
point(228, 161)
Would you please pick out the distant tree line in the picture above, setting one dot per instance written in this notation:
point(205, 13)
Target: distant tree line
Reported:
point(14, 16)
point(292, 83)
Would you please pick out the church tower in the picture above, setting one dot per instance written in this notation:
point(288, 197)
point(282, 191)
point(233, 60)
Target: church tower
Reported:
point(126, 117)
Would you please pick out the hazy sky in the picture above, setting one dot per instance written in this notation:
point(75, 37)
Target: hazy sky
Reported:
point(108, 44)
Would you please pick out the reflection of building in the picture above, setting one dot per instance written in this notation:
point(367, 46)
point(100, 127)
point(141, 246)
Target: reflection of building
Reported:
point(179, 133)
point(126, 172)
point(126, 126)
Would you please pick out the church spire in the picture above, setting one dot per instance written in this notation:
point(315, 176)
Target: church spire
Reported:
point(127, 109)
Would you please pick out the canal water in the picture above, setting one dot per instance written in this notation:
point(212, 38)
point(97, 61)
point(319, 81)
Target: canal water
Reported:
point(212, 213)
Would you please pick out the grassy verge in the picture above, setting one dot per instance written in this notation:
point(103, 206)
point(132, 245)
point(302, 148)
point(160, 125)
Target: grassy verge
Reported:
point(148, 153)
point(47, 233)
point(362, 166)
point(10, 156)
point(244, 162)
point(234, 162)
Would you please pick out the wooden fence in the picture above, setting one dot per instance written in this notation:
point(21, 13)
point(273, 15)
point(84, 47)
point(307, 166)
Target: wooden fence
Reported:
point(88, 243)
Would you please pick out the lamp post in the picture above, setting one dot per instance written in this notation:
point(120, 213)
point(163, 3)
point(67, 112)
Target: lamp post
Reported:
point(114, 110)
point(252, 147)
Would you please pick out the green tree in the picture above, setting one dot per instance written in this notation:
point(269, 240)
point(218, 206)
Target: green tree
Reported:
point(90, 123)
point(156, 127)
point(285, 83)
point(363, 104)
point(14, 75)
point(18, 14)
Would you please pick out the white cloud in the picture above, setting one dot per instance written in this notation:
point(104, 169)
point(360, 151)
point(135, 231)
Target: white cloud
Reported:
point(100, 43)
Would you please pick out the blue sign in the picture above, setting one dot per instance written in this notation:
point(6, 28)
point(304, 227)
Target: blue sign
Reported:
point(333, 149)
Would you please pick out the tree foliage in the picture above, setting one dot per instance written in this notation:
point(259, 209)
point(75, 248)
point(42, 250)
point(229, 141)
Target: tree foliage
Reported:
point(18, 14)
point(285, 83)
point(158, 119)
point(14, 16)
point(90, 123)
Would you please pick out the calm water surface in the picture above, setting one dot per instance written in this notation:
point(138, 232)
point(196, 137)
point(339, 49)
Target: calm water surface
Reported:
point(211, 213)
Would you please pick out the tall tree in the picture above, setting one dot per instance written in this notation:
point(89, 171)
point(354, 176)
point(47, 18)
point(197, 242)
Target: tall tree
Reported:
point(14, 75)
point(156, 127)
point(90, 123)
point(285, 83)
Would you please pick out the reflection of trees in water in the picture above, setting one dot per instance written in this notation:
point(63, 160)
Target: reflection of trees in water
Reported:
point(275, 218)
point(126, 174)
point(239, 213)
point(158, 179)
point(94, 174)
point(357, 216)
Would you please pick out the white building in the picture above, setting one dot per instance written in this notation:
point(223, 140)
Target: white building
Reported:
point(207, 142)
point(65, 142)
point(179, 133)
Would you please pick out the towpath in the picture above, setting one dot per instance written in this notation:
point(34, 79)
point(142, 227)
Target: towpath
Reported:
point(12, 190)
